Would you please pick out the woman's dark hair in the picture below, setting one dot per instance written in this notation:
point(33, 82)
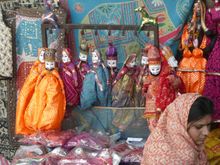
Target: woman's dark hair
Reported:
point(201, 107)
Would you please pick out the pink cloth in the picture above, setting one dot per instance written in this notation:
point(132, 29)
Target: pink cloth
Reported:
point(170, 142)
point(212, 82)
point(72, 83)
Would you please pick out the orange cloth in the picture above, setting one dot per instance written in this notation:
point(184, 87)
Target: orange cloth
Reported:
point(185, 42)
point(25, 96)
point(48, 104)
point(192, 70)
point(170, 142)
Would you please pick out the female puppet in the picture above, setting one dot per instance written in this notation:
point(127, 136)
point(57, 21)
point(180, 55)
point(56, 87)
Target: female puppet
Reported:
point(95, 86)
point(48, 104)
point(27, 91)
point(196, 47)
point(124, 84)
point(143, 73)
point(161, 86)
point(82, 65)
point(212, 82)
point(71, 78)
point(111, 55)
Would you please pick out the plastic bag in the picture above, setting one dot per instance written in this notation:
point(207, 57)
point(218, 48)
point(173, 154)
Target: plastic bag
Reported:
point(26, 155)
point(29, 151)
point(88, 140)
point(4, 161)
point(122, 148)
point(56, 138)
point(133, 156)
point(49, 138)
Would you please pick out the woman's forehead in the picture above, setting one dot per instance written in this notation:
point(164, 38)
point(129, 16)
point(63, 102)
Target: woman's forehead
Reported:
point(205, 120)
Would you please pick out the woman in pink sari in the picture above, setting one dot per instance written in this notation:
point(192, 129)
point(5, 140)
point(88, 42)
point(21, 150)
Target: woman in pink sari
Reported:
point(180, 133)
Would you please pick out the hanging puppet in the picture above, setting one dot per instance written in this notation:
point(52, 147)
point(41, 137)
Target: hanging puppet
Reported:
point(82, 65)
point(47, 106)
point(111, 55)
point(124, 84)
point(143, 73)
point(171, 85)
point(49, 16)
point(212, 83)
point(71, 78)
point(192, 66)
point(51, 4)
point(27, 90)
point(111, 60)
point(95, 85)
point(161, 86)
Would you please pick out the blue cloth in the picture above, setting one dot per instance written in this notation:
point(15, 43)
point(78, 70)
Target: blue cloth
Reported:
point(28, 37)
point(91, 94)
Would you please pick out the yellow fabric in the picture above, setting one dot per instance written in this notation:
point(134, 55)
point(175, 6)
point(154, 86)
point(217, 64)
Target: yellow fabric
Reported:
point(25, 96)
point(212, 147)
point(48, 104)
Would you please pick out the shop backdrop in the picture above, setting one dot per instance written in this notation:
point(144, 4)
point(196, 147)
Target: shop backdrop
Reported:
point(171, 15)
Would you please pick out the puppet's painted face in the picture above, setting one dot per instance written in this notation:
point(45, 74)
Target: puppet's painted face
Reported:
point(155, 69)
point(83, 57)
point(41, 56)
point(49, 65)
point(49, 2)
point(65, 57)
point(83, 45)
point(95, 57)
point(132, 63)
point(173, 62)
point(112, 63)
point(144, 60)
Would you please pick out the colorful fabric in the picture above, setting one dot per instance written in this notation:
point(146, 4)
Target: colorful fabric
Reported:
point(171, 15)
point(95, 88)
point(212, 147)
point(72, 83)
point(47, 106)
point(212, 82)
point(170, 142)
point(25, 96)
point(192, 70)
point(170, 86)
point(123, 90)
point(150, 88)
point(160, 91)
point(140, 97)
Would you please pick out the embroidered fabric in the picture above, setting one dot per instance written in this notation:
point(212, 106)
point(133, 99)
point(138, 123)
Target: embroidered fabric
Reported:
point(6, 69)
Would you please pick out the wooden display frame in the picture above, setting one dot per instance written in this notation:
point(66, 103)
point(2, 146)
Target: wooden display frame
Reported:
point(65, 28)
point(68, 27)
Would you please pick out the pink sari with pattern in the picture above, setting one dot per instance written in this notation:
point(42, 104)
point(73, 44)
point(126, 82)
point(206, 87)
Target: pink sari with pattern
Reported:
point(170, 142)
